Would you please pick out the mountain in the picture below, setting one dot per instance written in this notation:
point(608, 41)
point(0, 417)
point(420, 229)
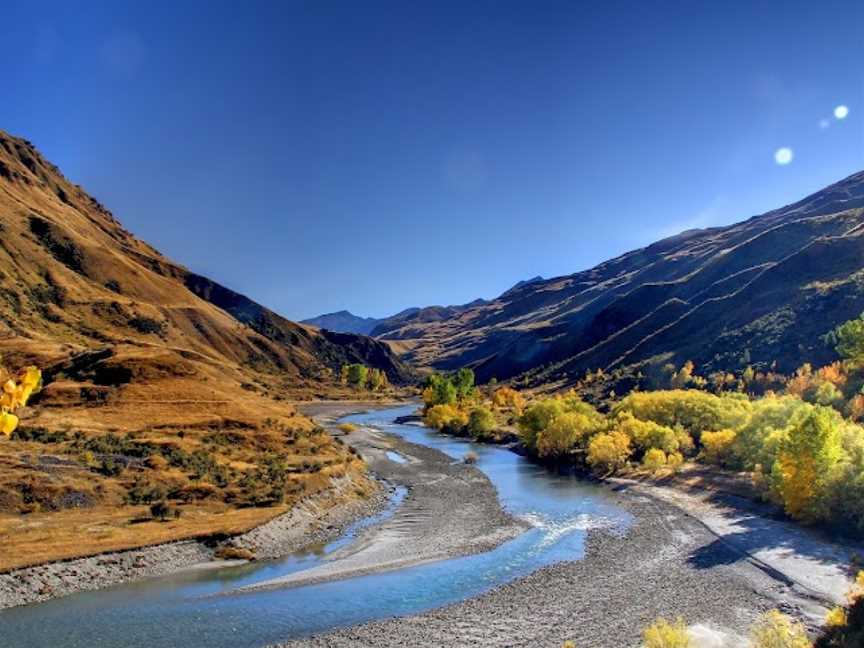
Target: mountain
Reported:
point(346, 322)
point(158, 382)
point(524, 282)
point(343, 322)
point(75, 277)
point(761, 291)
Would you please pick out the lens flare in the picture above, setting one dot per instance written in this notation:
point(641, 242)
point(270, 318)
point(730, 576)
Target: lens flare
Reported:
point(840, 112)
point(783, 156)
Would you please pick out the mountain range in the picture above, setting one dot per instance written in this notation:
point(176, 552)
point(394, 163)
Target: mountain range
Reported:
point(764, 292)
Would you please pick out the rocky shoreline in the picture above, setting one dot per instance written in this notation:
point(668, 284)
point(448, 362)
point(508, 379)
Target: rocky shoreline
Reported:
point(451, 509)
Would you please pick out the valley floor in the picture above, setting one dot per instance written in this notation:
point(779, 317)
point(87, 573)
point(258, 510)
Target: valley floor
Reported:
point(718, 561)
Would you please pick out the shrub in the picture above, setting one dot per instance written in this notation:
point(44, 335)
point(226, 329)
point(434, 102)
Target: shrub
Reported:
point(844, 627)
point(162, 511)
point(717, 447)
point(481, 422)
point(758, 438)
point(109, 467)
point(654, 460)
point(850, 339)
point(609, 452)
point(565, 432)
point(508, 398)
point(674, 460)
point(147, 325)
point(439, 390)
point(39, 435)
point(15, 393)
point(144, 492)
point(693, 410)
point(448, 418)
point(663, 634)
point(537, 418)
point(646, 435)
point(776, 630)
point(347, 428)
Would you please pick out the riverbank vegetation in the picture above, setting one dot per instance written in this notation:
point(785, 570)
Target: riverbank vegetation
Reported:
point(363, 378)
point(798, 438)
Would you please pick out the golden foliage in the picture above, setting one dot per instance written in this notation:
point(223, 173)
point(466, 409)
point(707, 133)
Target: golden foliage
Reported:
point(717, 446)
point(806, 460)
point(609, 452)
point(16, 392)
point(654, 460)
point(448, 417)
point(776, 630)
point(664, 634)
point(836, 617)
point(508, 398)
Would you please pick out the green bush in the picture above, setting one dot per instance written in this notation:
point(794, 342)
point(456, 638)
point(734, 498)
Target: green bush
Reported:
point(481, 423)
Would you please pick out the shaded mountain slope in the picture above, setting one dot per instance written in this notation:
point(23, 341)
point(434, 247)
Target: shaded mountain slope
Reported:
point(73, 274)
point(766, 289)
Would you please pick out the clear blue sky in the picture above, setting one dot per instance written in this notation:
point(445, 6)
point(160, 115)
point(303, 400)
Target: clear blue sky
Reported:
point(373, 156)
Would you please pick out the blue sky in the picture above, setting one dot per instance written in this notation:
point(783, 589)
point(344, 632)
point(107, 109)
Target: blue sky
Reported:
point(374, 156)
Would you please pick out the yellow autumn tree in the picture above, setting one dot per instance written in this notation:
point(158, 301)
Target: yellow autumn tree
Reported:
point(609, 452)
point(508, 398)
point(806, 461)
point(16, 392)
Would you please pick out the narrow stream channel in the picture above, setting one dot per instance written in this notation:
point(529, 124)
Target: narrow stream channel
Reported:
point(182, 610)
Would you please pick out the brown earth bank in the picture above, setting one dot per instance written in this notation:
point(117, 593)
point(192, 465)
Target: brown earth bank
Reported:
point(314, 520)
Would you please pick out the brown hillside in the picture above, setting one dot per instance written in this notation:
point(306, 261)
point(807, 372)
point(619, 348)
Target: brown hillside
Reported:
point(155, 378)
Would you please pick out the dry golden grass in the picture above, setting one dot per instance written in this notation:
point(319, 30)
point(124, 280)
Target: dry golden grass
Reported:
point(44, 537)
point(56, 504)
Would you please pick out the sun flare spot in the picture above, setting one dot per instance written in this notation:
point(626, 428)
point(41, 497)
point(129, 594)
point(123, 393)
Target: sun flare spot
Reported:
point(783, 156)
point(840, 112)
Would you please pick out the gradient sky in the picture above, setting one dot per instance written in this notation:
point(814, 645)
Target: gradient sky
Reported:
point(374, 156)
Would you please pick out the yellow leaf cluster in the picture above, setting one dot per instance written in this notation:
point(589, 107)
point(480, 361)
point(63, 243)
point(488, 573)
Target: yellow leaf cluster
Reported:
point(16, 392)
point(776, 630)
point(664, 634)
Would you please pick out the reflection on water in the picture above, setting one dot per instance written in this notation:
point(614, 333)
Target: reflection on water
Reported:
point(182, 609)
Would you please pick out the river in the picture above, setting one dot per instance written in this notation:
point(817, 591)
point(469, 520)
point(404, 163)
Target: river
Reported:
point(199, 608)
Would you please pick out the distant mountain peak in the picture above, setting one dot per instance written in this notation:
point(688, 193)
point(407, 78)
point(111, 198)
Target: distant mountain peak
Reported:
point(524, 282)
point(343, 321)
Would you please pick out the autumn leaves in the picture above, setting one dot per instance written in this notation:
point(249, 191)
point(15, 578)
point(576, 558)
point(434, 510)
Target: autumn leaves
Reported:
point(16, 392)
